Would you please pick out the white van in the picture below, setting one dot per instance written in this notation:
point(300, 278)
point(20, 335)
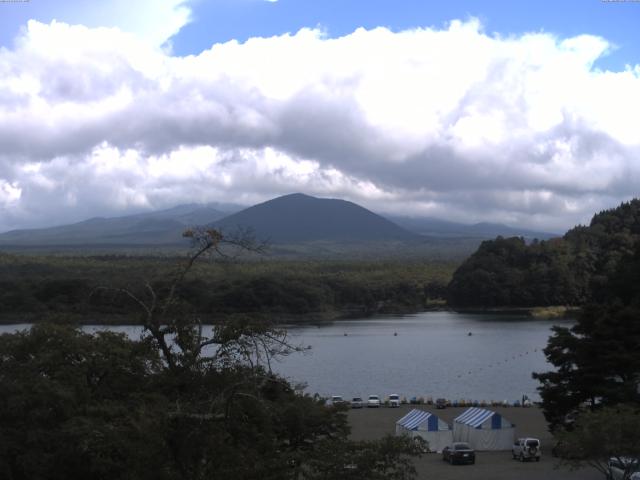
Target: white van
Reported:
point(394, 400)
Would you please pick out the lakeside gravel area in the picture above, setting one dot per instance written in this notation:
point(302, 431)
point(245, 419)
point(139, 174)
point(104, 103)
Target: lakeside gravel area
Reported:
point(372, 423)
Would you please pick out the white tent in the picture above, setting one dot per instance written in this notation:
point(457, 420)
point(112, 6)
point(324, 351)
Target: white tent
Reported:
point(483, 430)
point(418, 423)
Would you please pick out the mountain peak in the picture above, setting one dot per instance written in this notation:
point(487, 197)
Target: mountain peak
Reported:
point(293, 196)
point(299, 217)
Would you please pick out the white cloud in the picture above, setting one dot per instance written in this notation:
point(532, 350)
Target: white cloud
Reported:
point(450, 122)
point(152, 21)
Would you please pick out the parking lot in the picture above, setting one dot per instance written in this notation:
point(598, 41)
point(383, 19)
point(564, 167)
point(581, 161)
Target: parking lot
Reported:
point(371, 423)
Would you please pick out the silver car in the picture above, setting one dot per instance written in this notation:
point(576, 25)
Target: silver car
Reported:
point(618, 466)
point(373, 401)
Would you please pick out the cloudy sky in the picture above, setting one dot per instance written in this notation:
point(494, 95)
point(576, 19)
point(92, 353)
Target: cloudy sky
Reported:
point(467, 111)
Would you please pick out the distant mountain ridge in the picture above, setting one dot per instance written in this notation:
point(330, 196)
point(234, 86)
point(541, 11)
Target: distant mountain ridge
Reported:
point(302, 218)
point(295, 219)
point(434, 227)
point(163, 227)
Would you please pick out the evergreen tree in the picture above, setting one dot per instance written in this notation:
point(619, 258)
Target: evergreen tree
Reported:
point(610, 433)
point(597, 360)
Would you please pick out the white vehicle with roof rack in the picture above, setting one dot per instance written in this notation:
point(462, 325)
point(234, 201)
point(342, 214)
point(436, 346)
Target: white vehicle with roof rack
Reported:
point(526, 449)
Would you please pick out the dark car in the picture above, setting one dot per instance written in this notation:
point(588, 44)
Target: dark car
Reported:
point(441, 403)
point(459, 452)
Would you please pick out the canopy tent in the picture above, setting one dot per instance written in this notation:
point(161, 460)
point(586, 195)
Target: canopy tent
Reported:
point(483, 430)
point(418, 423)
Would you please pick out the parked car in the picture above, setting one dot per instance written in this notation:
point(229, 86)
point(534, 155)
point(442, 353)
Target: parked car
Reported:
point(356, 402)
point(459, 452)
point(394, 400)
point(373, 401)
point(337, 400)
point(618, 466)
point(526, 449)
point(441, 403)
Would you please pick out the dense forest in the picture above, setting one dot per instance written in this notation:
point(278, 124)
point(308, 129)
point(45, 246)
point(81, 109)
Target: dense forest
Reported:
point(174, 404)
point(561, 271)
point(84, 289)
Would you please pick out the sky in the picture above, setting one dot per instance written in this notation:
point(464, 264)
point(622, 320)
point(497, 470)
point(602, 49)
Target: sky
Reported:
point(521, 113)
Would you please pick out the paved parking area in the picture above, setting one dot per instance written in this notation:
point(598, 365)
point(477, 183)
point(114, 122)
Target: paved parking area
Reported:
point(375, 423)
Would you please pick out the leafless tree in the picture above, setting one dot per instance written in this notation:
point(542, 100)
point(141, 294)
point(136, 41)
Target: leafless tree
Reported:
point(181, 338)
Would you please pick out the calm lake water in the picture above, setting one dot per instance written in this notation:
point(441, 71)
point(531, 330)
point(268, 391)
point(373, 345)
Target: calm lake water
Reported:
point(431, 355)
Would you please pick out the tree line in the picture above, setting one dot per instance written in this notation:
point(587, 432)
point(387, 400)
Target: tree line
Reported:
point(571, 270)
point(39, 287)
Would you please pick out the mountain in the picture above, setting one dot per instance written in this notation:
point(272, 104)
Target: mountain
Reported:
point(433, 227)
point(296, 226)
point(301, 218)
point(162, 227)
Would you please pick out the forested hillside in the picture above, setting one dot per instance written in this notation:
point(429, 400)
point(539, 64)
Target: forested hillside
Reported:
point(562, 271)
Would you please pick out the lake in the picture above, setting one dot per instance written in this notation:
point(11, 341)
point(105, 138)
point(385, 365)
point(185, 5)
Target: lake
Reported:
point(431, 355)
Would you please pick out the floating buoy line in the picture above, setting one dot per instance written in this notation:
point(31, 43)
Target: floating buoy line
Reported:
point(502, 362)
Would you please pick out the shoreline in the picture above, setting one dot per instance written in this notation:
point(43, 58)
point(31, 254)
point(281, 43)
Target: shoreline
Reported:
point(548, 312)
point(291, 319)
